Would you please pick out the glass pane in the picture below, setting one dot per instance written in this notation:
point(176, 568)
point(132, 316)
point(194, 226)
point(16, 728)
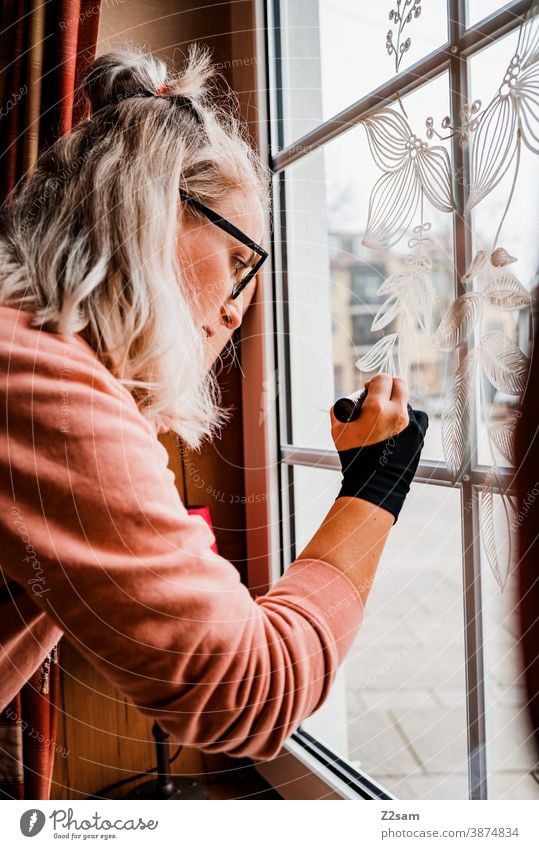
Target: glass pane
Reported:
point(333, 280)
point(315, 490)
point(308, 302)
point(334, 53)
point(518, 236)
point(403, 699)
point(511, 754)
point(477, 10)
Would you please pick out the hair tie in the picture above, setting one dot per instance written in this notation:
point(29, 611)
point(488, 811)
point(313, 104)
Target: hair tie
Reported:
point(179, 99)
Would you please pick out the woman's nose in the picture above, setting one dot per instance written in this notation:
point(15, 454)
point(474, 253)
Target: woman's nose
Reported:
point(232, 314)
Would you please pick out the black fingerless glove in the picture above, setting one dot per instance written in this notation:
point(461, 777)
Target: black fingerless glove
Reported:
point(382, 473)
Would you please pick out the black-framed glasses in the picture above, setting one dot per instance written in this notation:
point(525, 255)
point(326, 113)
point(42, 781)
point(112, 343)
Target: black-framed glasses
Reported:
point(232, 230)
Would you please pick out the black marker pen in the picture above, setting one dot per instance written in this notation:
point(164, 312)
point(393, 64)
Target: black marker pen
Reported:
point(347, 409)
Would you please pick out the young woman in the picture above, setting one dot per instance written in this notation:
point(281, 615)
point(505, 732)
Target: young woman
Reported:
point(127, 258)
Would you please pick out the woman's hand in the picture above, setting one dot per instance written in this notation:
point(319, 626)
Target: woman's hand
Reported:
point(383, 414)
point(380, 450)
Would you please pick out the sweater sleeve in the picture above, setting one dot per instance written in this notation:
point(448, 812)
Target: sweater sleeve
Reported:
point(131, 579)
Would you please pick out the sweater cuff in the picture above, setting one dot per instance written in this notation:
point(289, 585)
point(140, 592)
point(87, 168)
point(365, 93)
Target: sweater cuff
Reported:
point(327, 594)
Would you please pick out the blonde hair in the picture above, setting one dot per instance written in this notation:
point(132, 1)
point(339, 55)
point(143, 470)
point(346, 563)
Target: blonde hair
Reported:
point(88, 239)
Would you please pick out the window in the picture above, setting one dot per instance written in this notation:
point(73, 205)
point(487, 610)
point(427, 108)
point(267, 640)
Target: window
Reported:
point(429, 701)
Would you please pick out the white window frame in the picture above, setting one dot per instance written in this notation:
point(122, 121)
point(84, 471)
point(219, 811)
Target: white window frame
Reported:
point(305, 769)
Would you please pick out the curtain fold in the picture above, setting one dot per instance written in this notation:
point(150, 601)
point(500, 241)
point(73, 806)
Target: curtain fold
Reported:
point(45, 48)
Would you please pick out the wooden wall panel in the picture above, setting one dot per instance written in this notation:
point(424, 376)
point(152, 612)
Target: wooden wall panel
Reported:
point(215, 477)
point(103, 737)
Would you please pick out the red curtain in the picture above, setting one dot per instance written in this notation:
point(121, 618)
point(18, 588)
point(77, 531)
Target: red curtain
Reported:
point(44, 50)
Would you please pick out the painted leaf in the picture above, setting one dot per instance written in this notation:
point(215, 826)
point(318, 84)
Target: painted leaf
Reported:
point(504, 290)
point(398, 283)
point(423, 294)
point(406, 347)
point(503, 437)
point(392, 205)
point(501, 257)
point(504, 363)
point(434, 172)
point(458, 322)
point(527, 83)
point(456, 416)
point(389, 310)
point(528, 37)
point(387, 134)
point(494, 145)
point(490, 526)
point(415, 290)
point(380, 357)
point(525, 90)
point(477, 262)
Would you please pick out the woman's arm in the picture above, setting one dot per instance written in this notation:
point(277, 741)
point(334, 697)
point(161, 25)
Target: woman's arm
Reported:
point(353, 534)
point(90, 513)
point(352, 538)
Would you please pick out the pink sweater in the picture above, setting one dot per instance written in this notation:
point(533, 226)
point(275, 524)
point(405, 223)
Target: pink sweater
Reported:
point(94, 530)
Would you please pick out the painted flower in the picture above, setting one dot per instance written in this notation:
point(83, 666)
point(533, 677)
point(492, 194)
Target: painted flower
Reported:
point(411, 168)
point(512, 115)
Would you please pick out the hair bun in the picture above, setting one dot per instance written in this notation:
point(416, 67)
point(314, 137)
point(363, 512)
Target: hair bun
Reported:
point(121, 74)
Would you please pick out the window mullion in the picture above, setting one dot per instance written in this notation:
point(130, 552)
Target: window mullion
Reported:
point(281, 295)
point(433, 472)
point(284, 399)
point(471, 565)
point(493, 27)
